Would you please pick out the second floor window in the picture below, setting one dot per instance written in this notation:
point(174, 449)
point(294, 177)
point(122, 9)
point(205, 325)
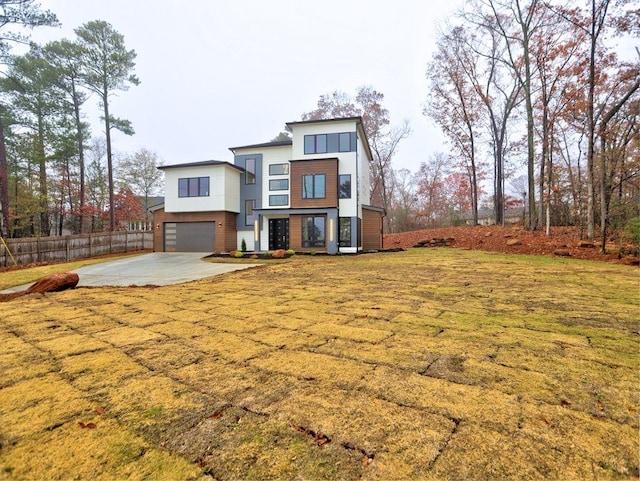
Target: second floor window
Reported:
point(193, 187)
point(279, 184)
point(250, 171)
point(344, 188)
point(313, 186)
point(279, 169)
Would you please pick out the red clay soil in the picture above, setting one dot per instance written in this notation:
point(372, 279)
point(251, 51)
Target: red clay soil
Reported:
point(563, 241)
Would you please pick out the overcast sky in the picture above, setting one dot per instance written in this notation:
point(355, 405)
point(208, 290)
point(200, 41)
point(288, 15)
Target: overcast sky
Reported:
point(218, 74)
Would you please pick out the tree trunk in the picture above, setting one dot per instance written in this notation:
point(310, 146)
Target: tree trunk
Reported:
point(45, 225)
point(107, 126)
point(80, 140)
point(4, 185)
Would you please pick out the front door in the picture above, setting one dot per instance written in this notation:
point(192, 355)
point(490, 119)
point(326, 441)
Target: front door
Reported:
point(278, 234)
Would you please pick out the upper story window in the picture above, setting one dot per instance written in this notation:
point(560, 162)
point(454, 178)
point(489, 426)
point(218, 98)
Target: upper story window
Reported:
point(276, 200)
point(279, 184)
point(326, 143)
point(250, 171)
point(344, 186)
point(315, 144)
point(313, 186)
point(279, 169)
point(193, 187)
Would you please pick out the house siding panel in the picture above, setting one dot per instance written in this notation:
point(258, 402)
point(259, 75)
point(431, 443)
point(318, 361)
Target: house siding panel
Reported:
point(299, 168)
point(371, 229)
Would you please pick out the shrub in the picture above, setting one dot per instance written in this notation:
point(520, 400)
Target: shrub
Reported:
point(632, 231)
point(290, 252)
point(313, 253)
point(266, 255)
point(238, 254)
point(243, 246)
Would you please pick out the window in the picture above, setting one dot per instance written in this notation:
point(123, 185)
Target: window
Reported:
point(325, 143)
point(249, 205)
point(345, 142)
point(279, 184)
point(313, 231)
point(250, 171)
point(193, 187)
point(278, 199)
point(313, 186)
point(344, 187)
point(345, 232)
point(279, 169)
point(315, 144)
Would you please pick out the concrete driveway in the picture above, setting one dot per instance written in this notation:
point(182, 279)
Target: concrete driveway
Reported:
point(156, 269)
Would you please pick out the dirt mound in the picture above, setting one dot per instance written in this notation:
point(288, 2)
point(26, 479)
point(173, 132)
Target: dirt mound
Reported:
point(563, 241)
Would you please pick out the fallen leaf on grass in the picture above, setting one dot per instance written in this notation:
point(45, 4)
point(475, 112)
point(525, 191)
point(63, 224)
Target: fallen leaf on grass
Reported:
point(87, 425)
point(565, 402)
point(547, 422)
point(100, 410)
point(600, 406)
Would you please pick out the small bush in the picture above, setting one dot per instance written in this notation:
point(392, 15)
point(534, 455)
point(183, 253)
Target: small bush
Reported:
point(266, 255)
point(632, 231)
point(290, 252)
point(243, 246)
point(313, 253)
point(238, 254)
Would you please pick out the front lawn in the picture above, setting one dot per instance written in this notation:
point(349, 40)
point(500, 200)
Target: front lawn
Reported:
point(425, 364)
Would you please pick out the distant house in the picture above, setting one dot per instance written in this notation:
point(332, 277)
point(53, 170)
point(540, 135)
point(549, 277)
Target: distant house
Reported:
point(144, 222)
point(488, 217)
point(310, 193)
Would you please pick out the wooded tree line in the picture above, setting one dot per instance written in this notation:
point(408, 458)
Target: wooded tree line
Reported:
point(539, 86)
point(54, 177)
point(533, 98)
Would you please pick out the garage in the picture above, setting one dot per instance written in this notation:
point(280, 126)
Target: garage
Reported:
point(189, 236)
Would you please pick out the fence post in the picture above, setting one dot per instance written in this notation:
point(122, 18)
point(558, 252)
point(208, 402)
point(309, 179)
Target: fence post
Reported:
point(68, 249)
point(126, 241)
point(38, 254)
point(110, 242)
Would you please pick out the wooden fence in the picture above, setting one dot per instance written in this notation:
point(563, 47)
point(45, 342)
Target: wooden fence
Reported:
point(71, 247)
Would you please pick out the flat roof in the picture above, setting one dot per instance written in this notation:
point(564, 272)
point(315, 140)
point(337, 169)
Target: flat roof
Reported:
point(281, 143)
point(202, 163)
point(338, 119)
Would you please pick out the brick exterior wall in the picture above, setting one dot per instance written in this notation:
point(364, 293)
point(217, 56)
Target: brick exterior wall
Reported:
point(329, 167)
point(226, 235)
point(371, 229)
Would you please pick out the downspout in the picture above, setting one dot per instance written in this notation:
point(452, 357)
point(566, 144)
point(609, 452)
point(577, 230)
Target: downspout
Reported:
point(358, 208)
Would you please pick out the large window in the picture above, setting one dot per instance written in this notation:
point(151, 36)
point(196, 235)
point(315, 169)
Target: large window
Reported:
point(279, 184)
point(315, 144)
point(279, 169)
point(313, 231)
point(193, 187)
point(250, 171)
point(276, 200)
point(344, 187)
point(345, 232)
point(313, 186)
point(325, 143)
point(249, 205)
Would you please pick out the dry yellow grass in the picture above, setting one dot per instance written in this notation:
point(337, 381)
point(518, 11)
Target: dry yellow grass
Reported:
point(426, 364)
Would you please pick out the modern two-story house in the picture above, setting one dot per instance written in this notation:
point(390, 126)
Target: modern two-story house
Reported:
point(310, 193)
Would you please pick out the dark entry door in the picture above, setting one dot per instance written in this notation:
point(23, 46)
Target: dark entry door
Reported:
point(278, 234)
